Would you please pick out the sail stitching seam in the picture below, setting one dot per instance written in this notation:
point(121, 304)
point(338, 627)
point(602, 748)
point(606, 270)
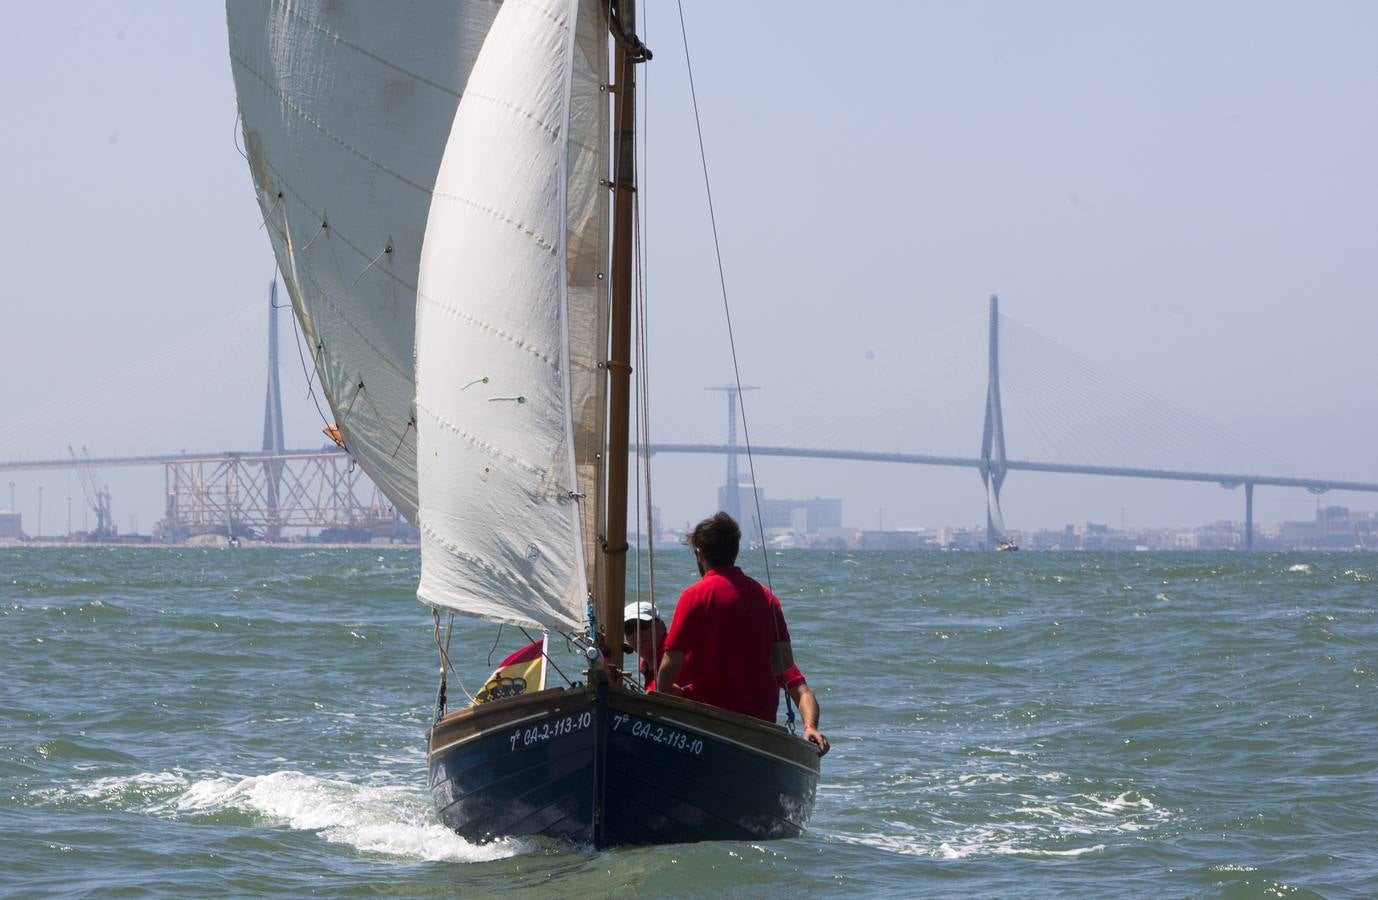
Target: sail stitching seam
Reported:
point(544, 243)
point(363, 338)
point(460, 553)
point(286, 185)
point(301, 114)
point(499, 571)
point(560, 21)
point(527, 114)
point(334, 36)
point(490, 329)
point(481, 444)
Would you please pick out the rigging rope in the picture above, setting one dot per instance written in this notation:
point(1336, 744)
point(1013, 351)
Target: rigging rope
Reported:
point(642, 369)
point(727, 309)
point(731, 338)
point(445, 665)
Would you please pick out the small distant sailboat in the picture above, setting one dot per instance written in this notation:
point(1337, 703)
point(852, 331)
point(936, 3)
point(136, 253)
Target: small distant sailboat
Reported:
point(436, 181)
point(1004, 543)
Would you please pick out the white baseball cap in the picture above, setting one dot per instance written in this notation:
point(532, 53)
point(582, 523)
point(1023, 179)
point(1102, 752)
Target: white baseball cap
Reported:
point(642, 610)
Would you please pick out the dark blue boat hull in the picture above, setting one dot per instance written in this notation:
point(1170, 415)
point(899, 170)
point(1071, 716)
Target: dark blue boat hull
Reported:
point(618, 769)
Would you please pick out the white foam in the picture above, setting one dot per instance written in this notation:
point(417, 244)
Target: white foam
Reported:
point(1299, 567)
point(1125, 801)
point(984, 843)
point(985, 778)
point(1004, 751)
point(1031, 826)
point(105, 791)
point(389, 819)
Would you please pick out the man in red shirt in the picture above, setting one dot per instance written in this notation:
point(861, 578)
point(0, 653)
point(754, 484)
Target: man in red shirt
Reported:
point(728, 643)
point(645, 632)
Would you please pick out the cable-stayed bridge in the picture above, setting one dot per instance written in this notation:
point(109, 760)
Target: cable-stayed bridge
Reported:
point(1149, 425)
point(263, 491)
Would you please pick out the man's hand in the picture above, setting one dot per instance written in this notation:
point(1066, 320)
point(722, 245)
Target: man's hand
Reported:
point(814, 736)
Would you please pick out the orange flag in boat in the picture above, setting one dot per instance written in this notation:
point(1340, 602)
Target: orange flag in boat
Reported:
point(521, 673)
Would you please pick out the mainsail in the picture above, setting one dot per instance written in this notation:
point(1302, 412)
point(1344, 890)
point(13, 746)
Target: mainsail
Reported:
point(346, 108)
point(512, 326)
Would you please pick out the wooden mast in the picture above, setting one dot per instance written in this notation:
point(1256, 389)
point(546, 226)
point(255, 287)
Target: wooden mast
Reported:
point(629, 52)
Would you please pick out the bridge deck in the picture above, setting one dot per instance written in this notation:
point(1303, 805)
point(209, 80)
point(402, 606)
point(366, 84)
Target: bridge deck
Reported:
point(1226, 479)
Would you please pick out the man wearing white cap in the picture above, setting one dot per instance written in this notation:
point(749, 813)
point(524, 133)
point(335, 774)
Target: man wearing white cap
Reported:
point(644, 632)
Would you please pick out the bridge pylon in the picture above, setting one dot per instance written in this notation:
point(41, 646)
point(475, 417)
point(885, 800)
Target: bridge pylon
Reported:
point(272, 420)
point(992, 463)
point(732, 484)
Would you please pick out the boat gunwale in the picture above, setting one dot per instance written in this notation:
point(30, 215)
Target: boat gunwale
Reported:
point(470, 721)
point(746, 732)
point(768, 733)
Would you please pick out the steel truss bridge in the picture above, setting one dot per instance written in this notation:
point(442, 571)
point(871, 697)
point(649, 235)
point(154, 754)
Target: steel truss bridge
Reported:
point(254, 492)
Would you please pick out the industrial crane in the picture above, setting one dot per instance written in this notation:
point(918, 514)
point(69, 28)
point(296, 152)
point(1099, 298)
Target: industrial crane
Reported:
point(97, 496)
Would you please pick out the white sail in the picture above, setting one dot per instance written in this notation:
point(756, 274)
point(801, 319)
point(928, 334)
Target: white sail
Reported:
point(511, 325)
point(346, 109)
point(588, 202)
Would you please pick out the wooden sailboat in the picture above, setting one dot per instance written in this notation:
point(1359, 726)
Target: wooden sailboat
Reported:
point(459, 187)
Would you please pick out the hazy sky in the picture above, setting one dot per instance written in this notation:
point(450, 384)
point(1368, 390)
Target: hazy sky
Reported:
point(1181, 195)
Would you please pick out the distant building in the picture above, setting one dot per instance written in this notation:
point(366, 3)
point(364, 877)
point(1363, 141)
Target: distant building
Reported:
point(802, 516)
point(11, 526)
point(962, 538)
point(746, 503)
point(1334, 528)
point(892, 540)
point(780, 517)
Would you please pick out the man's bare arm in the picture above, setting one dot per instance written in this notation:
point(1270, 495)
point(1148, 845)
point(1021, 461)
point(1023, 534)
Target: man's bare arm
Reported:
point(808, 710)
point(669, 670)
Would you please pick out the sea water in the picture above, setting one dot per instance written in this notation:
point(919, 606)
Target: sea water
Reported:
point(250, 721)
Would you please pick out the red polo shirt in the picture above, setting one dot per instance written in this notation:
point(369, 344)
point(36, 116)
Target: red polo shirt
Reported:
point(791, 677)
point(725, 624)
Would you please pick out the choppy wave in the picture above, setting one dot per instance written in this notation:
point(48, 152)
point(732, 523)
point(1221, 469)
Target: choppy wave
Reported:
point(1059, 725)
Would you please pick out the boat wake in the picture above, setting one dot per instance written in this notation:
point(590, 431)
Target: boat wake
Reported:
point(386, 819)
